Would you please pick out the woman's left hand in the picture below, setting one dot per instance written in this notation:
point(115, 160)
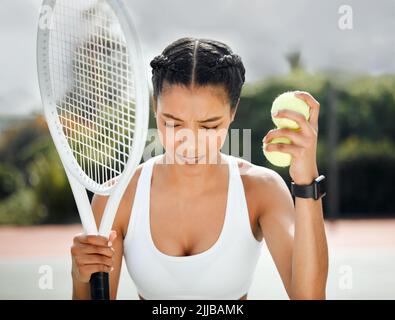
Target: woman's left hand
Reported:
point(303, 168)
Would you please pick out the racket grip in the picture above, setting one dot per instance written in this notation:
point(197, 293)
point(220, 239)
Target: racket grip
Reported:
point(100, 287)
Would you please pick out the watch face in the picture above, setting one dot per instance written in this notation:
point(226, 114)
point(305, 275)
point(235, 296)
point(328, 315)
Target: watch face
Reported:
point(321, 187)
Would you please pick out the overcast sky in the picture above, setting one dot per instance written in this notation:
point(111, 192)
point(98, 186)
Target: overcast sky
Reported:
point(261, 31)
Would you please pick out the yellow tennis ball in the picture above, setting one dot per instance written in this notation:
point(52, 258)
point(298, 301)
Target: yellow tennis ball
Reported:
point(279, 159)
point(289, 101)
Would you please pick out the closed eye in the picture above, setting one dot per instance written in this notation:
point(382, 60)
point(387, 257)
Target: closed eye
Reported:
point(210, 127)
point(171, 125)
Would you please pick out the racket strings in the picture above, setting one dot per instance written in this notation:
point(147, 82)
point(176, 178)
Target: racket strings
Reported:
point(92, 78)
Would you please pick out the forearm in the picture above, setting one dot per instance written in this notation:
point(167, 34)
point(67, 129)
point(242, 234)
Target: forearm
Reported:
point(310, 251)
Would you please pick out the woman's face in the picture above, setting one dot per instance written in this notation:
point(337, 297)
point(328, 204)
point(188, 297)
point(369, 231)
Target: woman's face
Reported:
point(193, 123)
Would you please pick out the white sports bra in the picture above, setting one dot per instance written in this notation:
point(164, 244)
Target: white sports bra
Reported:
point(224, 271)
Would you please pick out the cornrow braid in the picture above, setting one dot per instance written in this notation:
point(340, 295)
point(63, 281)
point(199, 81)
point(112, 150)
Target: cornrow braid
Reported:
point(190, 61)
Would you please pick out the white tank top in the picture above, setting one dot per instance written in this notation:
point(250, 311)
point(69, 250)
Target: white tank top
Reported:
point(224, 271)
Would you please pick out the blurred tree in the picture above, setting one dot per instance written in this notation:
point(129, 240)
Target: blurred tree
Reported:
point(11, 180)
point(365, 111)
point(22, 208)
point(31, 172)
point(51, 187)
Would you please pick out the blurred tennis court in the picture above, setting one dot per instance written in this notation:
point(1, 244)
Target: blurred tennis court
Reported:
point(35, 263)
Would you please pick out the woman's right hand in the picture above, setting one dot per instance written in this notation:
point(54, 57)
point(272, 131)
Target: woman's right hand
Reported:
point(91, 254)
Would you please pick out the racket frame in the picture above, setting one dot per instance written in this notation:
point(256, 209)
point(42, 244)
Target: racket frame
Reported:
point(78, 180)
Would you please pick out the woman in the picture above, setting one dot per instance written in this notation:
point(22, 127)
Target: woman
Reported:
point(190, 228)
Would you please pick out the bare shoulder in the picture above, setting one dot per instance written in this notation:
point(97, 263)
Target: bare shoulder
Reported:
point(265, 187)
point(259, 176)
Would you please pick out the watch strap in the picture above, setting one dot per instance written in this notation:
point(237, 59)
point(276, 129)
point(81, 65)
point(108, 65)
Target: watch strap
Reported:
point(314, 190)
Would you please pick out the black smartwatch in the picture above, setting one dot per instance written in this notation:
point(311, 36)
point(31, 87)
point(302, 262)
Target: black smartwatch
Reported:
point(315, 190)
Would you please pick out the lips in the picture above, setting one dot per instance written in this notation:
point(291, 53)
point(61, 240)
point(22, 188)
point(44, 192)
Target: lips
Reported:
point(189, 159)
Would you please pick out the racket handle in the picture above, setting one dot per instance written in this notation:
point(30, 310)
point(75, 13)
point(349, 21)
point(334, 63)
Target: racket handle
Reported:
point(100, 287)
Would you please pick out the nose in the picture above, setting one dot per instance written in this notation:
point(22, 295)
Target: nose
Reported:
point(190, 142)
point(189, 145)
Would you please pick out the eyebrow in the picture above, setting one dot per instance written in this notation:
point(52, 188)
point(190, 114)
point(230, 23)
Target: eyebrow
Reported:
point(168, 115)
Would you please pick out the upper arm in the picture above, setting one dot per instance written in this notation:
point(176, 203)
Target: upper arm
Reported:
point(276, 216)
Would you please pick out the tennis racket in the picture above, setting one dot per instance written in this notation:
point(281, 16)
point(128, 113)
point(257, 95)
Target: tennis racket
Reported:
point(95, 96)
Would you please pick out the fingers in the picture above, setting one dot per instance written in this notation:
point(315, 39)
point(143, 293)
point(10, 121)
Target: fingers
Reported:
point(90, 254)
point(89, 259)
point(293, 115)
point(92, 249)
point(293, 150)
point(314, 106)
point(294, 135)
point(112, 237)
point(92, 240)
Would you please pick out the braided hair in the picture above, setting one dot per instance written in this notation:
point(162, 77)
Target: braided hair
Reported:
point(190, 61)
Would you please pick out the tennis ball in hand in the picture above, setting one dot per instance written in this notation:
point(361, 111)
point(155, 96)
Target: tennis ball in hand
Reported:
point(289, 101)
point(279, 159)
